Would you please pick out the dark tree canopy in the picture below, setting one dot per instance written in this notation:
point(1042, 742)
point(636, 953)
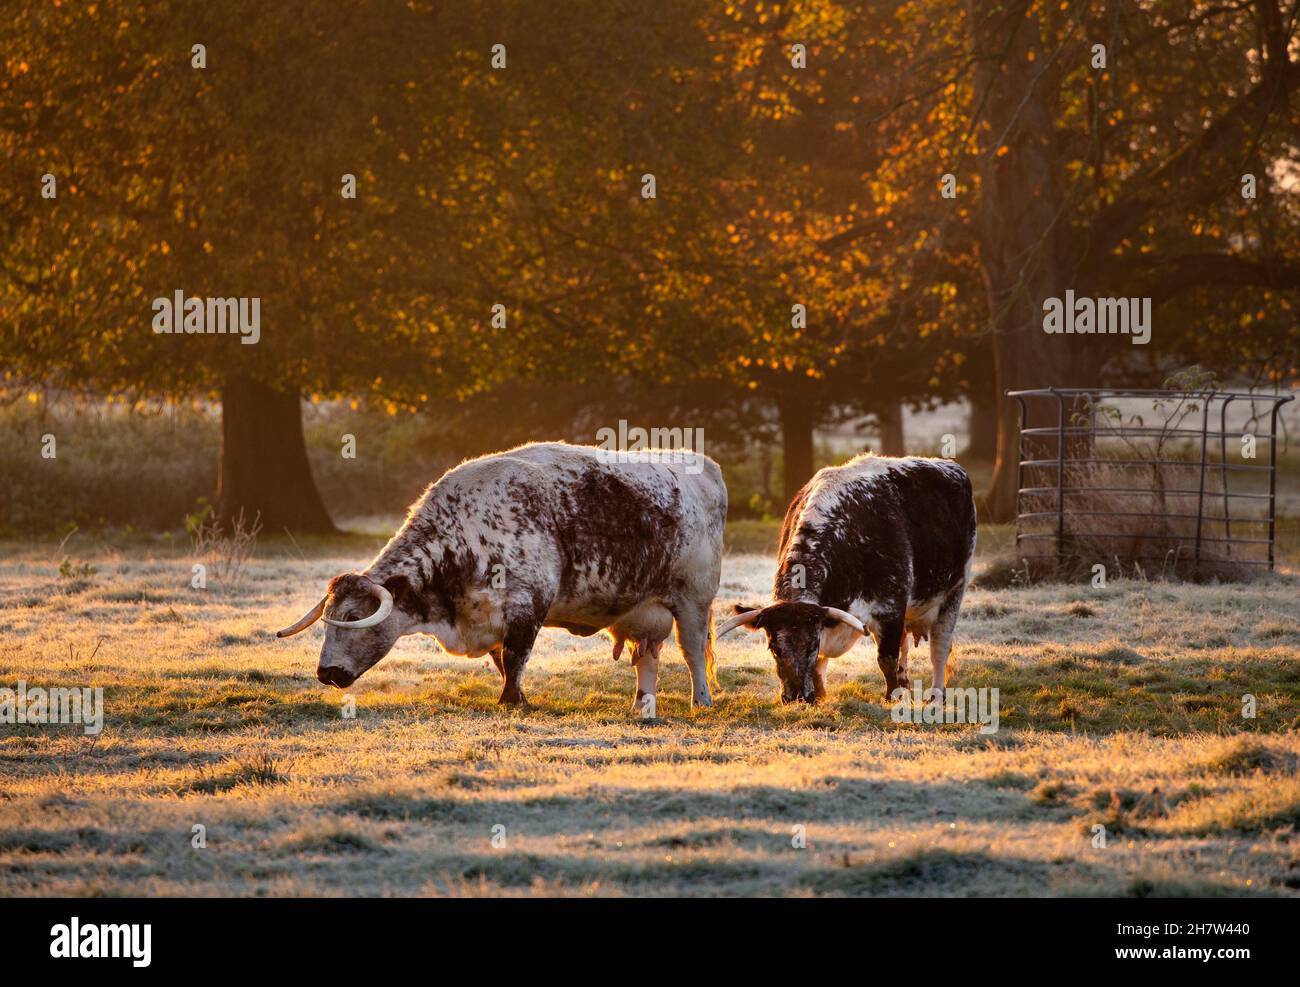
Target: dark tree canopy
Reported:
point(799, 252)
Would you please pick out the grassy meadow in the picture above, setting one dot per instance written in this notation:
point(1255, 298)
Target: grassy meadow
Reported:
point(1106, 694)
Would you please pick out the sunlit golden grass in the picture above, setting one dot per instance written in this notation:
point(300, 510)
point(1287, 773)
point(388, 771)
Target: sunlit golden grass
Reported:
point(210, 721)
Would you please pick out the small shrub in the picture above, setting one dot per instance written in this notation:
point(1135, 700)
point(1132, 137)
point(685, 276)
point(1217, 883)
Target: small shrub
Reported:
point(226, 549)
point(70, 570)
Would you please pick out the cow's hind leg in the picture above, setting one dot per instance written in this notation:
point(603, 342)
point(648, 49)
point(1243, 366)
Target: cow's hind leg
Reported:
point(695, 638)
point(941, 639)
point(514, 656)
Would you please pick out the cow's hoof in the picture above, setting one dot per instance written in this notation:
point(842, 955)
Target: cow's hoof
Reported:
point(701, 702)
point(512, 697)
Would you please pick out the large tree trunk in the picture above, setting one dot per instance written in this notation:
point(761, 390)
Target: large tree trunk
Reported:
point(1023, 224)
point(264, 470)
point(892, 440)
point(797, 421)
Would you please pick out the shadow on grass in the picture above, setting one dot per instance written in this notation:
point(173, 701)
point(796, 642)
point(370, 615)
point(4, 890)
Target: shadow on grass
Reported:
point(1104, 690)
point(836, 800)
point(931, 872)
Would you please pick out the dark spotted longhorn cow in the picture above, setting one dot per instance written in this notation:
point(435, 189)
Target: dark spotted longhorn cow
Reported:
point(545, 535)
point(881, 546)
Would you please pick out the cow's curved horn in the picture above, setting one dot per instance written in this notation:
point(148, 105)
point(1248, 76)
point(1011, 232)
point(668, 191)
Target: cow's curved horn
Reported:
point(385, 608)
point(748, 617)
point(844, 617)
point(307, 619)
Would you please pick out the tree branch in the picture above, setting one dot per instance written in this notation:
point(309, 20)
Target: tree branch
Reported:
point(1189, 171)
point(1163, 277)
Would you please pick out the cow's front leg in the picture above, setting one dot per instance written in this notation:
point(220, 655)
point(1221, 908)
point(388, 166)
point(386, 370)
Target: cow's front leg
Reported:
point(819, 679)
point(904, 648)
point(888, 647)
point(645, 656)
point(515, 650)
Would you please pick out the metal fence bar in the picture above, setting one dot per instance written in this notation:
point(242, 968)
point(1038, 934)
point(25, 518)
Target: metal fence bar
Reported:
point(1187, 517)
point(1141, 431)
point(1060, 478)
point(1136, 490)
point(1272, 479)
point(1020, 470)
point(1171, 557)
point(1163, 537)
point(1121, 392)
point(1223, 471)
point(1200, 497)
point(1232, 467)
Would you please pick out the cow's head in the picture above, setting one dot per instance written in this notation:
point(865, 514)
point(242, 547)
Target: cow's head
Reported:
point(794, 633)
point(365, 620)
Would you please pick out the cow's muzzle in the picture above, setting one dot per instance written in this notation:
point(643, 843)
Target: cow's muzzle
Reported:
point(336, 676)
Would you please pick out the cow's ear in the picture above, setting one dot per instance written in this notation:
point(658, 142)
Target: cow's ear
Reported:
point(405, 597)
point(339, 581)
point(753, 625)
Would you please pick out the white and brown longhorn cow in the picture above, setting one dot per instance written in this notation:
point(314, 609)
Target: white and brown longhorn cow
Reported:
point(545, 535)
point(880, 546)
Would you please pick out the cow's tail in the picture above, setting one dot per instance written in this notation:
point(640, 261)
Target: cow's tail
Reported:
point(710, 657)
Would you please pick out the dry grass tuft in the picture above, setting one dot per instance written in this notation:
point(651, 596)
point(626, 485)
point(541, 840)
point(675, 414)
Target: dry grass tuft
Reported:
point(258, 769)
point(1247, 755)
